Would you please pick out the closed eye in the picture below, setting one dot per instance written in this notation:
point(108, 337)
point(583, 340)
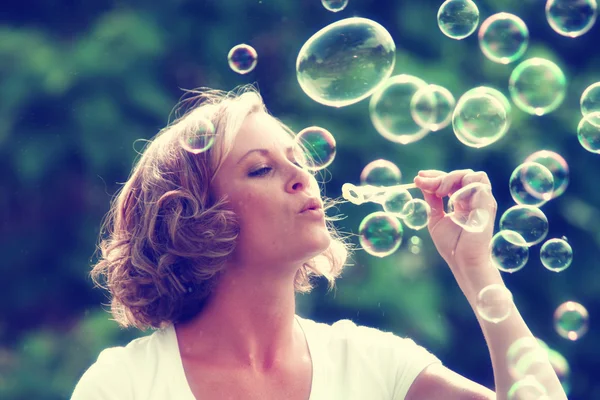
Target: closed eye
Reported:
point(260, 172)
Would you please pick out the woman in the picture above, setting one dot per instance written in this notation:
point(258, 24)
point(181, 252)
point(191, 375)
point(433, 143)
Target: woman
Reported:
point(210, 249)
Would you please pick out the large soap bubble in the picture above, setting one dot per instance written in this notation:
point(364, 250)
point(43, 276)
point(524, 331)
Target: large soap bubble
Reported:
point(390, 109)
point(571, 18)
point(503, 38)
point(458, 19)
point(345, 62)
point(380, 234)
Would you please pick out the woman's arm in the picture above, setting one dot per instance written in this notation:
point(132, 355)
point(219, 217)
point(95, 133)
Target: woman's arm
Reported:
point(468, 256)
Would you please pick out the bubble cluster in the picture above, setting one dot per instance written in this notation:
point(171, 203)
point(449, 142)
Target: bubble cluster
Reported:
point(571, 18)
point(319, 147)
point(531, 184)
point(556, 255)
point(431, 107)
point(588, 132)
point(242, 58)
point(509, 251)
point(537, 86)
point(380, 234)
point(480, 118)
point(345, 62)
point(503, 38)
point(494, 303)
point(529, 222)
point(468, 206)
point(571, 320)
point(590, 99)
point(390, 109)
point(416, 213)
point(458, 19)
point(199, 137)
point(557, 166)
point(334, 5)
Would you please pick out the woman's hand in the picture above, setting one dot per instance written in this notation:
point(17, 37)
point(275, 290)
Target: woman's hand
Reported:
point(459, 248)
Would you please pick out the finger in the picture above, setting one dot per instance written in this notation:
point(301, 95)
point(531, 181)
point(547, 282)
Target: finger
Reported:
point(431, 173)
point(429, 185)
point(479, 177)
point(452, 182)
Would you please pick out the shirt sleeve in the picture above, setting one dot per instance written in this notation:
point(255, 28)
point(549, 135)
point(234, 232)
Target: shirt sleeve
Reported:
point(106, 379)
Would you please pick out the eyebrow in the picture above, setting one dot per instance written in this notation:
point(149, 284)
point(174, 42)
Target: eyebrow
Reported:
point(289, 150)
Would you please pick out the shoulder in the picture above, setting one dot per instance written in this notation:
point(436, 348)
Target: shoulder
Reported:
point(117, 369)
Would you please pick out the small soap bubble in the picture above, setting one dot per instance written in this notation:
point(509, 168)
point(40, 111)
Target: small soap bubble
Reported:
point(571, 18)
point(479, 118)
point(319, 147)
point(531, 184)
point(503, 38)
point(509, 252)
point(527, 388)
point(522, 354)
point(556, 255)
point(390, 109)
point(334, 5)
point(494, 303)
point(199, 137)
point(588, 132)
point(416, 214)
point(431, 107)
point(380, 234)
point(537, 86)
point(345, 62)
point(242, 58)
point(380, 173)
point(528, 221)
point(395, 200)
point(561, 368)
point(557, 165)
point(571, 320)
point(590, 99)
point(468, 206)
point(458, 19)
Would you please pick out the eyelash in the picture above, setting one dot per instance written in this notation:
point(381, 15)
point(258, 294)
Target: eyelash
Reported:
point(265, 170)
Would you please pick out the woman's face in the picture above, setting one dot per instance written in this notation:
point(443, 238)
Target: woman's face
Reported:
point(267, 190)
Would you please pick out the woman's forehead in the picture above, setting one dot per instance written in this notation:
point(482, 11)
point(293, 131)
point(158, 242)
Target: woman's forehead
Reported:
point(261, 131)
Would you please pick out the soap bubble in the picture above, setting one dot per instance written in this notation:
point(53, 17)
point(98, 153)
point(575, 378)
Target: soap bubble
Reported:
point(524, 353)
point(509, 252)
point(556, 255)
point(390, 110)
point(380, 173)
point(529, 222)
point(380, 234)
point(334, 5)
point(571, 18)
point(557, 166)
point(458, 19)
point(537, 86)
point(431, 107)
point(319, 144)
point(416, 213)
point(415, 244)
point(199, 137)
point(503, 38)
point(479, 118)
point(588, 132)
point(395, 199)
point(590, 99)
point(531, 184)
point(527, 388)
point(345, 62)
point(242, 58)
point(561, 368)
point(571, 320)
point(494, 303)
point(468, 206)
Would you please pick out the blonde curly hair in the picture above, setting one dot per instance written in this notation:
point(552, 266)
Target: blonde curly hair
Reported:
point(165, 240)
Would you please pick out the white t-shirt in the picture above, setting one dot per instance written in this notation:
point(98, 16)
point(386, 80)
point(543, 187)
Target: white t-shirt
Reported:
point(349, 362)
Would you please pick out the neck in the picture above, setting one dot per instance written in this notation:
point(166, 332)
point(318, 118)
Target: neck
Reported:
point(249, 321)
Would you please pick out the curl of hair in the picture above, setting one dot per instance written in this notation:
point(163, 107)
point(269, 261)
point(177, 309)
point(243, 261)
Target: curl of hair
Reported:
point(166, 239)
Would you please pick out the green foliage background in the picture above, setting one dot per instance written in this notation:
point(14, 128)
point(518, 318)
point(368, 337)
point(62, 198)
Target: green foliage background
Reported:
point(80, 82)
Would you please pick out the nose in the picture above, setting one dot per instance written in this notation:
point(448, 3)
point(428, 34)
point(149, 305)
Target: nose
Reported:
point(301, 180)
